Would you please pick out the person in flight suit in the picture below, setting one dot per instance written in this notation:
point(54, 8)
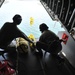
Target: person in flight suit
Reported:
point(10, 31)
point(48, 41)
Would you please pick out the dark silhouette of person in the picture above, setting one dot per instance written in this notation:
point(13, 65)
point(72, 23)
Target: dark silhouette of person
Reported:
point(10, 31)
point(48, 41)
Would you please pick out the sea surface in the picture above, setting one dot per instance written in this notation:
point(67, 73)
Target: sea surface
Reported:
point(28, 9)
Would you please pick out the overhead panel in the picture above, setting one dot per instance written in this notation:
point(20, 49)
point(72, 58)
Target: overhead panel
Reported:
point(71, 23)
point(69, 11)
point(63, 10)
point(48, 5)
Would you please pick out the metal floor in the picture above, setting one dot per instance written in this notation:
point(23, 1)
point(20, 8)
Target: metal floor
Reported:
point(31, 64)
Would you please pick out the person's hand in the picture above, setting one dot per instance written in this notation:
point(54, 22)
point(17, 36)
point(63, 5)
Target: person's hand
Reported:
point(34, 44)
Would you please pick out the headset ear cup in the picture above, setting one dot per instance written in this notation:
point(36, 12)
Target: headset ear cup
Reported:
point(55, 47)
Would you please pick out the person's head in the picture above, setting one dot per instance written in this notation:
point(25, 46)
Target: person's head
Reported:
point(17, 19)
point(43, 27)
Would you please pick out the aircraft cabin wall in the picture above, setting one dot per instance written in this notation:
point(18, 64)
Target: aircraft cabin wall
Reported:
point(68, 47)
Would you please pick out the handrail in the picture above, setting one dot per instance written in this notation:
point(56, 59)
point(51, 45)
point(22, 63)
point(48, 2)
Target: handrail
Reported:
point(61, 8)
point(67, 11)
point(53, 5)
point(56, 7)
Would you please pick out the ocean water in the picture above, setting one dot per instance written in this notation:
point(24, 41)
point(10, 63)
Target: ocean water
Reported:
point(28, 9)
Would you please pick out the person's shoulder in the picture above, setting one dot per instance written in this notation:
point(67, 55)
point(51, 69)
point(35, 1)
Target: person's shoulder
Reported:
point(8, 23)
point(47, 31)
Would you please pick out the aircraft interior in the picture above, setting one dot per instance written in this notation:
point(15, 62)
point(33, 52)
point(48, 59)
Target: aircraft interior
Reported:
point(25, 62)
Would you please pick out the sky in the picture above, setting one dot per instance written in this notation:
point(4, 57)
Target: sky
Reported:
point(27, 9)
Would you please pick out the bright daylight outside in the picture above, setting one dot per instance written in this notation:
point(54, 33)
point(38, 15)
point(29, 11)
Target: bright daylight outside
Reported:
point(30, 10)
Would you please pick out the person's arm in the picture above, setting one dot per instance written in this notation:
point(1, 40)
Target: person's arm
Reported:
point(21, 34)
point(26, 38)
